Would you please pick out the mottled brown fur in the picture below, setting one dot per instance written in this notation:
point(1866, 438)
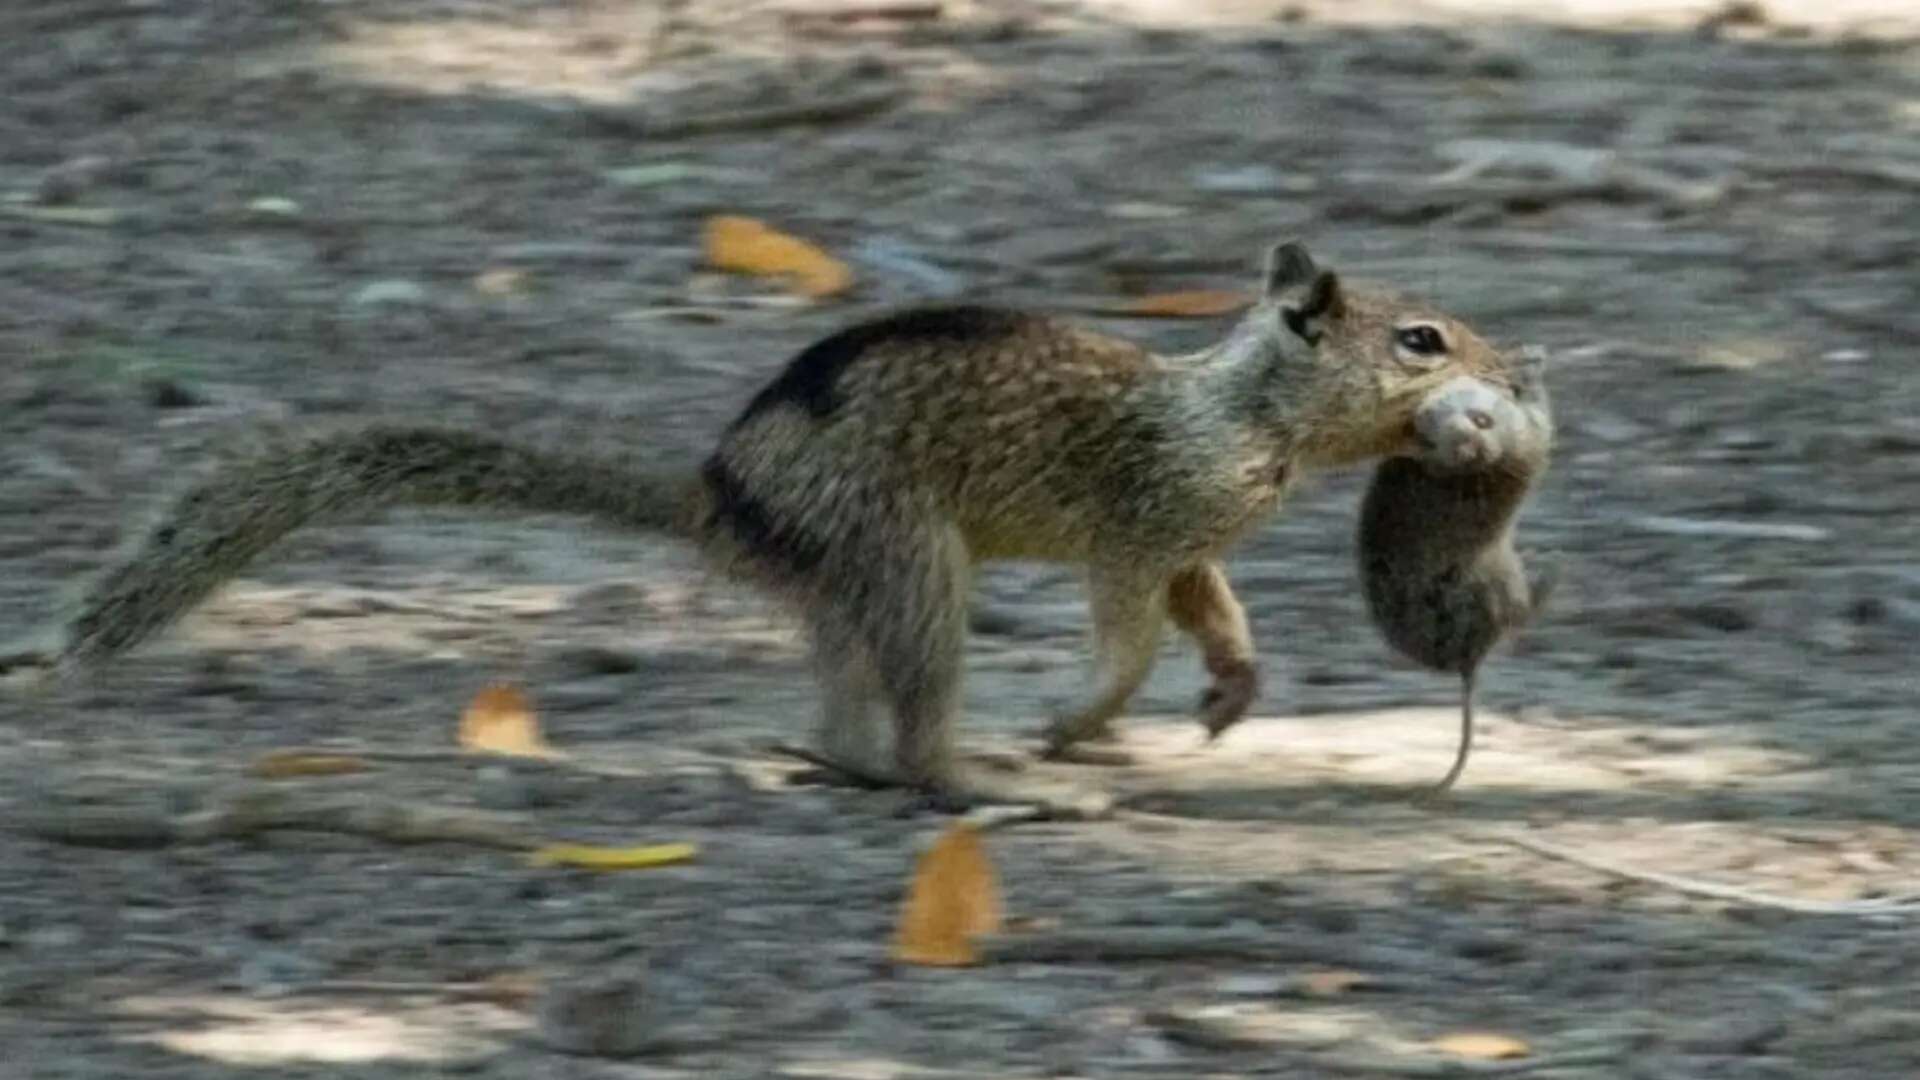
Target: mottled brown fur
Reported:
point(1442, 580)
point(865, 482)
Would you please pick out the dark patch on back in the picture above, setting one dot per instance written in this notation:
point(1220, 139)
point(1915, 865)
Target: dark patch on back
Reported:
point(810, 379)
point(753, 525)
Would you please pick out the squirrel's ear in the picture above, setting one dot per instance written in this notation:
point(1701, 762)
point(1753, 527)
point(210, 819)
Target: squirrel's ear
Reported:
point(1289, 265)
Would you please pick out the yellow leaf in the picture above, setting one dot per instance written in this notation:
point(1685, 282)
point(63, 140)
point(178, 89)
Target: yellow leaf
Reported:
point(591, 857)
point(1191, 304)
point(746, 246)
point(286, 764)
point(954, 896)
point(500, 720)
point(1482, 1045)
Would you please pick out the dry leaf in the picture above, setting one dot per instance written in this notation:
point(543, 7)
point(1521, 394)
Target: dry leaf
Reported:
point(500, 720)
point(508, 989)
point(1191, 304)
point(591, 857)
point(500, 281)
point(100, 216)
point(746, 246)
point(1331, 983)
point(1482, 1045)
point(286, 764)
point(954, 896)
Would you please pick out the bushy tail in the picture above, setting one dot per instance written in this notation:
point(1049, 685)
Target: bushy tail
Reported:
point(216, 528)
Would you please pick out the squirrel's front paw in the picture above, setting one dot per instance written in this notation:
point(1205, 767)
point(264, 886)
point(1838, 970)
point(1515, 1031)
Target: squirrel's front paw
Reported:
point(1226, 701)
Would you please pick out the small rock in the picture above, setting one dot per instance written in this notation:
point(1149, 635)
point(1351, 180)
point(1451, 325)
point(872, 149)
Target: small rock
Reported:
point(274, 208)
point(600, 660)
point(1726, 618)
point(390, 292)
point(167, 393)
point(67, 181)
point(273, 971)
point(506, 788)
point(609, 1016)
point(1609, 427)
point(1491, 947)
point(52, 936)
point(1248, 985)
point(1499, 65)
point(1251, 180)
point(1742, 1035)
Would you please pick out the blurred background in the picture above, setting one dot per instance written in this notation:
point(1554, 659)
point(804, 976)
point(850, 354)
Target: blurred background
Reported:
point(220, 220)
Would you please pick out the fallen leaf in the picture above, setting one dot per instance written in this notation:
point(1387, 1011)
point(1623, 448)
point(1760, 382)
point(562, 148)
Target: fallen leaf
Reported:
point(954, 896)
point(500, 281)
point(746, 246)
point(592, 857)
point(509, 989)
point(1482, 1045)
point(99, 216)
point(1190, 304)
point(1331, 983)
point(287, 764)
point(500, 720)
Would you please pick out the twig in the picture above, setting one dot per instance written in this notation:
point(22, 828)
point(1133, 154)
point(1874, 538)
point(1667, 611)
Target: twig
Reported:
point(823, 111)
point(98, 217)
point(862, 10)
point(838, 772)
point(1904, 905)
point(254, 810)
point(1888, 173)
point(1385, 1066)
point(1666, 248)
point(25, 656)
point(1134, 944)
point(1732, 530)
point(1857, 320)
point(459, 756)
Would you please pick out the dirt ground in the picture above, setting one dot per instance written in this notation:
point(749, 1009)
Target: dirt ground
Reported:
point(225, 217)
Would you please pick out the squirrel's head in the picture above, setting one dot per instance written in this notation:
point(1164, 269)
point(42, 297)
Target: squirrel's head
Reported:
point(1355, 363)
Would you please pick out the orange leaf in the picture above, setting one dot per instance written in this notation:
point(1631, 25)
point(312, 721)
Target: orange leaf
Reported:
point(955, 895)
point(500, 720)
point(1191, 304)
point(746, 246)
point(286, 764)
point(1482, 1045)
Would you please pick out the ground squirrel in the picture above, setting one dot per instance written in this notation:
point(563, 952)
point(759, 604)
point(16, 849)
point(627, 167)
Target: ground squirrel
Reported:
point(863, 484)
point(1438, 567)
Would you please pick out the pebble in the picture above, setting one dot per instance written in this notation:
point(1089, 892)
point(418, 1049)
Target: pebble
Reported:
point(600, 660)
point(274, 208)
point(390, 292)
point(1251, 180)
point(611, 1016)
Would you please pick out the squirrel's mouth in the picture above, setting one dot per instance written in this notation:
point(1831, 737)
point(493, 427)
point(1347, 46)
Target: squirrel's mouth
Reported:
point(1419, 438)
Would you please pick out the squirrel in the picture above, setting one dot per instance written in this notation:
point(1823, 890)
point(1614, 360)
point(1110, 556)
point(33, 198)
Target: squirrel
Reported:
point(863, 484)
point(1442, 580)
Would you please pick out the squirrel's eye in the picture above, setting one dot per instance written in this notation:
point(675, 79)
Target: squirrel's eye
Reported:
point(1421, 340)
